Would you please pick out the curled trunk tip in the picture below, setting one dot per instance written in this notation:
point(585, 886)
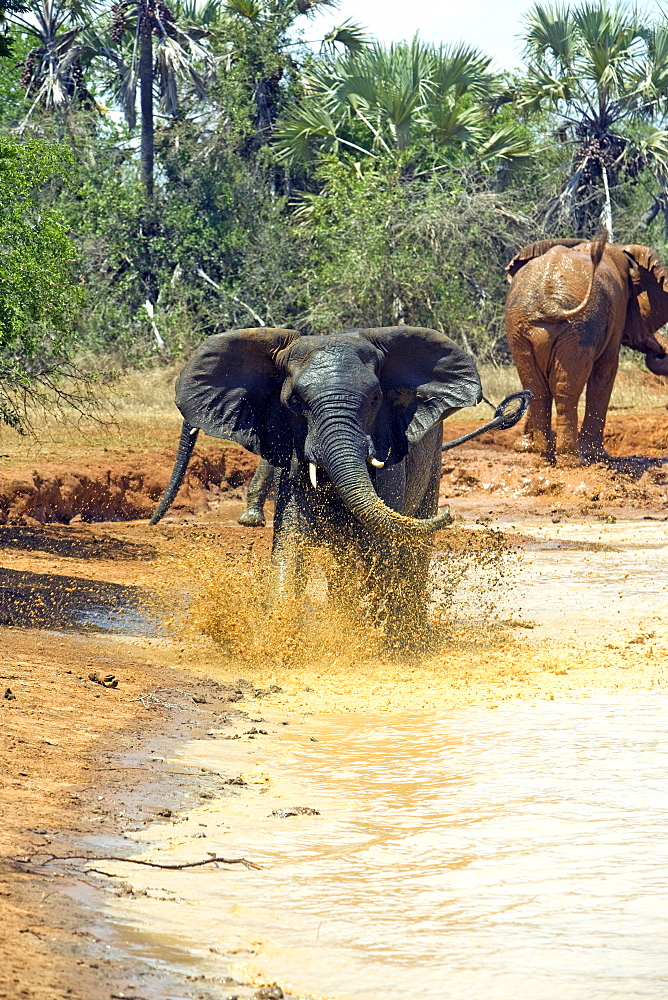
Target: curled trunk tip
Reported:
point(349, 474)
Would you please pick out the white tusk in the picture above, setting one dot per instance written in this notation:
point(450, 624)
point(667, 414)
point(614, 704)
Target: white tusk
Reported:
point(313, 474)
point(376, 464)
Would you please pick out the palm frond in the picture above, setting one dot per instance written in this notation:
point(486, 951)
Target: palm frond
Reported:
point(308, 123)
point(352, 36)
point(246, 8)
point(203, 13)
point(507, 143)
point(654, 149)
point(461, 69)
point(548, 32)
point(454, 125)
point(176, 59)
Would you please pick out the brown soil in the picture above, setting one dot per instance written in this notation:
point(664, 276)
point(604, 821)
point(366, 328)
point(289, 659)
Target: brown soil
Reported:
point(120, 488)
point(487, 475)
point(81, 761)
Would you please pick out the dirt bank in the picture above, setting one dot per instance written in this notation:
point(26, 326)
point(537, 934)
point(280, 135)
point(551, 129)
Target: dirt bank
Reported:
point(118, 471)
point(81, 762)
point(120, 488)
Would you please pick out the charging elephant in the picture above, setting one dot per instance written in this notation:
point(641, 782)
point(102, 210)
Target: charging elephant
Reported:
point(352, 424)
point(571, 305)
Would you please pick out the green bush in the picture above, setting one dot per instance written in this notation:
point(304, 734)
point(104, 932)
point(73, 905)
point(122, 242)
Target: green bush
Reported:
point(40, 291)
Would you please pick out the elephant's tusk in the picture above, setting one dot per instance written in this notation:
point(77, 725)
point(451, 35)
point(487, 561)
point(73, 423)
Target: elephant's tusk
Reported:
point(313, 474)
point(376, 464)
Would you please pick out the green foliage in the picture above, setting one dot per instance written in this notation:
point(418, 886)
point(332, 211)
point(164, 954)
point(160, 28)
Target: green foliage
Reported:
point(377, 100)
point(357, 184)
point(39, 292)
point(383, 249)
point(7, 8)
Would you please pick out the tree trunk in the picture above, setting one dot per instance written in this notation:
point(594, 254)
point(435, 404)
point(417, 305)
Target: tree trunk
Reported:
point(606, 212)
point(146, 106)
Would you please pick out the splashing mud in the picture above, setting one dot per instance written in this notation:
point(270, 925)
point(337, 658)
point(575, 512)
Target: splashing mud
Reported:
point(232, 604)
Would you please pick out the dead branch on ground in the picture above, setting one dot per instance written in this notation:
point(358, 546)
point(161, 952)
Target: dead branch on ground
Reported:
point(135, 861)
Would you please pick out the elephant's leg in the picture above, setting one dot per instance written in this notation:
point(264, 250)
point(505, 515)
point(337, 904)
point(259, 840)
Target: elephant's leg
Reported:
point(540, 423)
point(343, 576)
point(568, 378)
point(415, 563)
point(400, 572)
point(258, 491)
point(599, 390)
point(538, 427)
point(525, 441)
point(289, 545)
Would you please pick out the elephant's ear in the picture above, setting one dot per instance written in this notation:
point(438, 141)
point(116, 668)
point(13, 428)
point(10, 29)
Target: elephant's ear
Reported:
point(230, 388)
point(647, 309)
point(536, 250)
point(425, 377)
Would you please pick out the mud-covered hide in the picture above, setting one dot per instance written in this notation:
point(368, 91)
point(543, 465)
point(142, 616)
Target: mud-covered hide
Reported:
point(534, 250)
point(647, 309)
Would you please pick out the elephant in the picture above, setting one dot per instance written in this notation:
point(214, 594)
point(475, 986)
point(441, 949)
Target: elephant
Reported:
point(570, 307)
point(352, 424)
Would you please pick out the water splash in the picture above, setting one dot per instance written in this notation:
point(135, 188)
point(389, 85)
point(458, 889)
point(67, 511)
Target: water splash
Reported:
point(232, 604)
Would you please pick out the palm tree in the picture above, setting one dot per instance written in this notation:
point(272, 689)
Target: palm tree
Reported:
point(382, 100)
point(177, 55)
point(605, 76)
point(52, 70)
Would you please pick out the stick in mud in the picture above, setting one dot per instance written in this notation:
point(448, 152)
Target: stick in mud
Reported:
point(135, 861)
point(151, 699)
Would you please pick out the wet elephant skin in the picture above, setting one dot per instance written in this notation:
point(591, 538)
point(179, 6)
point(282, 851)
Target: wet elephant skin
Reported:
point(352, 426)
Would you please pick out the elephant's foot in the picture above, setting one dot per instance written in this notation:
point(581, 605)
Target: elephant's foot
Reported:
point(252, 517)
point(524, 444)
point(568, 460)
point(592, 454)
point(409, 631)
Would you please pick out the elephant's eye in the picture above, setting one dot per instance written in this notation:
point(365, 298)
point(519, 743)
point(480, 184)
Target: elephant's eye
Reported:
point(295, 402)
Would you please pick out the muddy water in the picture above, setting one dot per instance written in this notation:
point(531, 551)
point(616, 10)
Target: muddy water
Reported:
point(514, 853)
point(617, 579)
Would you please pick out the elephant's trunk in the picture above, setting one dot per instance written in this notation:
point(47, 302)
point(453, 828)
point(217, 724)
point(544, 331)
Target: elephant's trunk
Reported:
point(342, 452)
point(657, 363)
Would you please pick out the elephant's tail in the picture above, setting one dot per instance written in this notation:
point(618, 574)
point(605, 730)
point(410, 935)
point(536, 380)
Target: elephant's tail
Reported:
point(184, 451)
point(597, 248)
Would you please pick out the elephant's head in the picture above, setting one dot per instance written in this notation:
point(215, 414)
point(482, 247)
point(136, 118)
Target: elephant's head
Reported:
point(647, 309)
point(342, 403)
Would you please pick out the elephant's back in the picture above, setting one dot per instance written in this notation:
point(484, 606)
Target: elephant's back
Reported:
point(556, 282)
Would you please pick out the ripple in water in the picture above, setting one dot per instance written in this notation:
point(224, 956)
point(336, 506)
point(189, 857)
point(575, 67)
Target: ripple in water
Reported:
point(517, 853)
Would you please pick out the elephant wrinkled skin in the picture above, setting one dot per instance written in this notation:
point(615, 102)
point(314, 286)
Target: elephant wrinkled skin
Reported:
point(352, 426)
point(571, 305)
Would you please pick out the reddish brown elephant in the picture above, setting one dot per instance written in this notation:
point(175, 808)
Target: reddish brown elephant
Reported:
point(570, 307)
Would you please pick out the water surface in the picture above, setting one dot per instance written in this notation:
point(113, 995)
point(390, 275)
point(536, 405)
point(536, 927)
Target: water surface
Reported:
point(520, 852)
